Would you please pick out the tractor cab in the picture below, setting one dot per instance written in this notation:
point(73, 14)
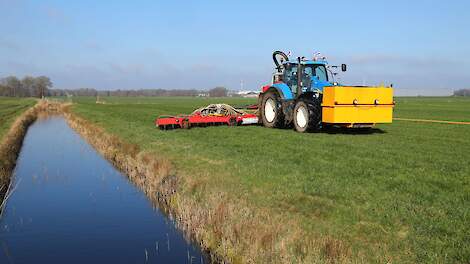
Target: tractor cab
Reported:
point(311, 76)
point(303, 75)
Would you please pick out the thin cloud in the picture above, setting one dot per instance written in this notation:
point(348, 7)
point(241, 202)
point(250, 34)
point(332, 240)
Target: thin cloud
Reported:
point(131, 69)
point(93, 45)
point(115, 75)
point(411, 61)
point(10, 5)
point(57, 15)
point(10, 45)
point(18, 68)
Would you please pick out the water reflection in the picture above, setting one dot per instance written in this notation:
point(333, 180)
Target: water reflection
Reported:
point(72, 206)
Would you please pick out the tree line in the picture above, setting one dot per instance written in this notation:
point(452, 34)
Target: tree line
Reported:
point(129, 93)
point(462, 92)
point(28, 86)
point(41, 86)
point(215, 92)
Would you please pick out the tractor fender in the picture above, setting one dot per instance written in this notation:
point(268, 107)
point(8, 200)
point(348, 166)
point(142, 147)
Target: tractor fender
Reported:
point(283, 90)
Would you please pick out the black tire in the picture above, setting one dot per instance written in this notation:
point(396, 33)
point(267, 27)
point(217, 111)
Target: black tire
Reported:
point(307, 116)
point(185, 124)
point(271, 110)
point(232, 122)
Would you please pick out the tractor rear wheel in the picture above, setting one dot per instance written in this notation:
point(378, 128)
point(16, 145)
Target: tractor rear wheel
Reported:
point(307, 116)
point(271, 110)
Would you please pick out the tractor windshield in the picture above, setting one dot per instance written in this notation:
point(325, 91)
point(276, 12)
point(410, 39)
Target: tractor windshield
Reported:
point(317, 70)
point(290, 75)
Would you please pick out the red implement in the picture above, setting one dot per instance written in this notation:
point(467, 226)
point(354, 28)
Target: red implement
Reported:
point(187, 121)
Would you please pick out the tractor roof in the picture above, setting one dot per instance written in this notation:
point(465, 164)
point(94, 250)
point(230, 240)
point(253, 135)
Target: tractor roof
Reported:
point(308, 62)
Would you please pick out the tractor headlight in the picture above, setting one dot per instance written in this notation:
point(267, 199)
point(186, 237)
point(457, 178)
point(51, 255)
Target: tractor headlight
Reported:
point(376, 101)
point(355, 102)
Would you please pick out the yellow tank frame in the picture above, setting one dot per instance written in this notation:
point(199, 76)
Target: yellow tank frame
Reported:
point(357, 106)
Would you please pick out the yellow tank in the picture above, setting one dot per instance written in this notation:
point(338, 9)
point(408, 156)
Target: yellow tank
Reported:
point(357, 106)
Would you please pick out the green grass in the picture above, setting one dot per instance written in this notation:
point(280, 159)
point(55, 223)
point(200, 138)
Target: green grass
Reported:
point(10, 109)
point(402, 192)
point(440, 108)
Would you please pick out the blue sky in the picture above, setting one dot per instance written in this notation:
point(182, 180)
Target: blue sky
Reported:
point(422, 47)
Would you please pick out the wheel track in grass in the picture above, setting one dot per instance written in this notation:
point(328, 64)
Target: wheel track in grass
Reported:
point(432, 121)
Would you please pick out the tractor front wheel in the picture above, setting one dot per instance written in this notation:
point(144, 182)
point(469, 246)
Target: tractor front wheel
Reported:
point(307, 117)
point(271, 110)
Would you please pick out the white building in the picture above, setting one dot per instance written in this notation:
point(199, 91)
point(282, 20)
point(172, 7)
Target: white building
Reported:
point(248, 94)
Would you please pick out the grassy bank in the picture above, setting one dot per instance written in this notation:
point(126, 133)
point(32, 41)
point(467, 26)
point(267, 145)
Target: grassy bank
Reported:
point(400, 194)
point(15, 117)
point(10, 109)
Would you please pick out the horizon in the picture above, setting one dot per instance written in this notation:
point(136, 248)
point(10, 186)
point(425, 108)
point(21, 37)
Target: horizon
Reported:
point(208, 89)
point(201, 45)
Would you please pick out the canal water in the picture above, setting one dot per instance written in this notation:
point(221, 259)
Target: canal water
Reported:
point(70, 205)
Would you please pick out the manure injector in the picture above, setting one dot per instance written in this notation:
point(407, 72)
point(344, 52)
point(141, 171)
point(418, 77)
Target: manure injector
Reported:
point(304, 95)
point(213, 114)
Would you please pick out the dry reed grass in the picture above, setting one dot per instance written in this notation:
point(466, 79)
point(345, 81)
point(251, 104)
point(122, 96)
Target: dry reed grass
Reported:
point(11, 144)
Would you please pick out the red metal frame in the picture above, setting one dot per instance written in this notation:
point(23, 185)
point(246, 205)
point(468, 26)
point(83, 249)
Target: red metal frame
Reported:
point(197, 119)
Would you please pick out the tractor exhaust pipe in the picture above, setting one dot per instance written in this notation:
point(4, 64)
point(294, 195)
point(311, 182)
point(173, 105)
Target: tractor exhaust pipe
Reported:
point(299, 77)
point(279, 61)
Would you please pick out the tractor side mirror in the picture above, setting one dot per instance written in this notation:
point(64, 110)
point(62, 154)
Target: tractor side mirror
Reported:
point(343, 67)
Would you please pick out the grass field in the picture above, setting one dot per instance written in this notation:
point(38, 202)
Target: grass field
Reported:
point(401, 193)
point(440, 108)
point(10, 109)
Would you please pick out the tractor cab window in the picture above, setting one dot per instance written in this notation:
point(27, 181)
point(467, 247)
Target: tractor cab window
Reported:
point(290, 76)
point(310, 71)
point(320, 72)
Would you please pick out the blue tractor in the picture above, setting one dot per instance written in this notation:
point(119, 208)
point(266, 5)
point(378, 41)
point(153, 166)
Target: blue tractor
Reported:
point(303, 95)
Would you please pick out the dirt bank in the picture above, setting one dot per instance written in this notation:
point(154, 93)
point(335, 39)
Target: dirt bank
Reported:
point(10, 145)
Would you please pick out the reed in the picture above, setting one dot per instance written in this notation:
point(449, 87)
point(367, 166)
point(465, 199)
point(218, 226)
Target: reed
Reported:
point(10, 145)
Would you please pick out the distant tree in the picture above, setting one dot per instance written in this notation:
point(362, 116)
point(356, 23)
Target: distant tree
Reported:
point(218, 92)
point(4, 91)
point(13, 85)
point(58, 92)
point(27, 84)
point(462, 92)
point(41, 86)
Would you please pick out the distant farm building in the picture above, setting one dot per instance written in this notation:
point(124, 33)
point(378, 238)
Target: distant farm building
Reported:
point(248, 94)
